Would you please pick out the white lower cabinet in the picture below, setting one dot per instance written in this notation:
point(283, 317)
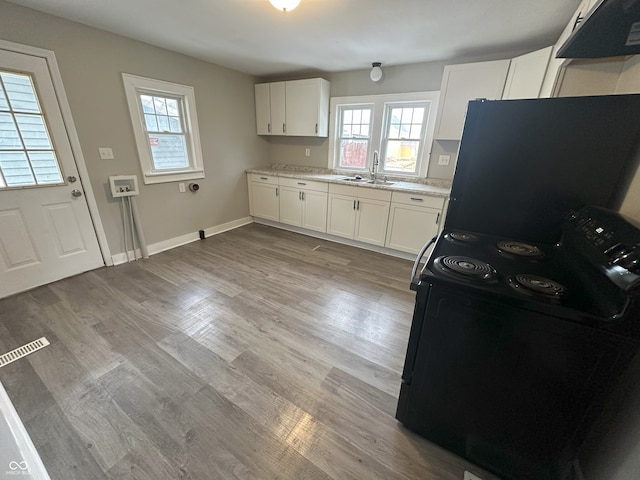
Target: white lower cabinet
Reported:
point(413, 220)
point(264, 199)
point(358, 214)
point(304, 203)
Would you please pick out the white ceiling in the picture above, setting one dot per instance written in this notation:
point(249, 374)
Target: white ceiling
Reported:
point(324, 35)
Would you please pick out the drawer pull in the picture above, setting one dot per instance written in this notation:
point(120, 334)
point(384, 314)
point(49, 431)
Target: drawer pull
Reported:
point(301, 183)
point(264, 178)
point(417, 199)
point(438, 218)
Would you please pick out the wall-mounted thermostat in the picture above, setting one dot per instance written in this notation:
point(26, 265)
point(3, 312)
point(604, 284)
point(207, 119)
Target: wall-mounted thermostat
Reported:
point(123, 185)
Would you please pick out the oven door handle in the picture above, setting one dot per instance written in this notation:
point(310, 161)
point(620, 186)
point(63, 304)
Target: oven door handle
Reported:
point(414, 280)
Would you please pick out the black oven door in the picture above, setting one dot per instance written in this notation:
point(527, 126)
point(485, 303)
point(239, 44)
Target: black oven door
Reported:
point(509, 389)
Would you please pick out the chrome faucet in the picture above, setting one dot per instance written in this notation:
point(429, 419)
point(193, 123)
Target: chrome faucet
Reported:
point(376, 163)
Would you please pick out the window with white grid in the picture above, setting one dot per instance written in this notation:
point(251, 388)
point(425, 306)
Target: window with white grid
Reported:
point(354, 133)
point(165, 124)
point(403, 135)
point(27, 154)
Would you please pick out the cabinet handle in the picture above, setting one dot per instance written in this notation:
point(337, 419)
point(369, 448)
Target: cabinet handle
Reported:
point(264, 178)
point(416, 199)
point(354, 204)
point(316, 128)
point(301, 183)
point(284, 128)
point(299, 195)
point(358, 205)
point(269, 127)
point(438, 218)
point(276, 191)
point(302, 193)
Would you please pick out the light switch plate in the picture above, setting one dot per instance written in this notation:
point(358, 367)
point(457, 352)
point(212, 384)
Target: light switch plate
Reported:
point(307, 152)
point(444, 159)
point(105, 153)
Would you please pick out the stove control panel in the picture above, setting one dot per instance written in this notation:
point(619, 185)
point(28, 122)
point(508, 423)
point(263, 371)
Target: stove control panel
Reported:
point(608, 241)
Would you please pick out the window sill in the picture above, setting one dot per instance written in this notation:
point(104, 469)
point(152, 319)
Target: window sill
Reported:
point(152, 178)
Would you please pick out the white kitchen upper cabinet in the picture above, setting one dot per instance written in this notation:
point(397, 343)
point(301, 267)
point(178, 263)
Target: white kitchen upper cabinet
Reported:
point(554, 75)
point(461, 83)
point(293, 108)
point(270, 108)
point(307, 108)
point(526, 74)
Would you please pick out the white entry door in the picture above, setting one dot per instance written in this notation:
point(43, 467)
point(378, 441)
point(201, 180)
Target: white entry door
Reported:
point(46, 232)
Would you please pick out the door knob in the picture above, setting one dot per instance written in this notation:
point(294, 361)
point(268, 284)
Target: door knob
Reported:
point(76, 193)
point(71, 179)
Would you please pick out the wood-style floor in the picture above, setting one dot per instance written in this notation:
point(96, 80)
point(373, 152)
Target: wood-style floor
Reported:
point(254, 354)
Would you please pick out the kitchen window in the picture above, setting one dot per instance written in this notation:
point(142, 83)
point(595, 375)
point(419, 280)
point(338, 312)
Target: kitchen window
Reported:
point(165, 125)
point(397, 126)
point(354, 134)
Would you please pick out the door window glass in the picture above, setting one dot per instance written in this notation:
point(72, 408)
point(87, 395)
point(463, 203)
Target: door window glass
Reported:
point(27, 155)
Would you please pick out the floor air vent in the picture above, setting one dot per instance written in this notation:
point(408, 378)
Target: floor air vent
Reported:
point(23, 351)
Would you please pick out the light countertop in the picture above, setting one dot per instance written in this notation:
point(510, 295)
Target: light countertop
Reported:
point(438, 188)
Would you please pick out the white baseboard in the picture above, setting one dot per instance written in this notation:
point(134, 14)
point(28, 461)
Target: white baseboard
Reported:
point(158, 247)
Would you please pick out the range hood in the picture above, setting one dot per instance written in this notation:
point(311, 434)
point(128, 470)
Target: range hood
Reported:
point(610, 29)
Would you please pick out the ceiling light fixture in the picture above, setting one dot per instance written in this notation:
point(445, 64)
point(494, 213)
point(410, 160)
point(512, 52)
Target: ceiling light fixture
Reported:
point(376, 72)
point(285, 5)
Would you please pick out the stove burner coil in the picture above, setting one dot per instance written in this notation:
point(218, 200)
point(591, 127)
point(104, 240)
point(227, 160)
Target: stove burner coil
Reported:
point(466, 267)
point(520, 249)
point(540, 285)
point(461, 237)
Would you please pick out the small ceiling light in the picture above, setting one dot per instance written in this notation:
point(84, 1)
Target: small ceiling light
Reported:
point(376, 72)
point(285, 5)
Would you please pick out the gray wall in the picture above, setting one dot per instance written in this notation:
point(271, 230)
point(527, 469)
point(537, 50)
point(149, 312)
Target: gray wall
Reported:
point(91, 62)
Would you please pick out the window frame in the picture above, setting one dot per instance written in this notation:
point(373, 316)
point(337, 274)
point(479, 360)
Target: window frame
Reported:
point(386, 127)
point(134, 87)
point(378, 124)
point(339, 138)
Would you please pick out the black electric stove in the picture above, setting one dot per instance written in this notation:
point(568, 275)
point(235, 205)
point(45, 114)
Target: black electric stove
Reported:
point(515, 346)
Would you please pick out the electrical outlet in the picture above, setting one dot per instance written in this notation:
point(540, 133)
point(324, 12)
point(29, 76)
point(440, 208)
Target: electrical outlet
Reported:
point(181, 187)
point(470, 476)
point(307, 152)
point(105, 153)
point(444, 159)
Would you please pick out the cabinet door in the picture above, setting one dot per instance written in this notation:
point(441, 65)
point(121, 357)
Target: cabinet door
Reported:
point(461, 83)
point(290, 206)
point(341, 217)
point(410, 227)
point(314, 210)
point(371, 221)
point(303, 100)
point(265, 202)
point(278, 107)
point(263, 109)
point(526, 74)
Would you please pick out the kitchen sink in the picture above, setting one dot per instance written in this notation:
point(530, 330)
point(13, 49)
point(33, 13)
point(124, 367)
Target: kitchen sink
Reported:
point(380, 182)
point(355, 179)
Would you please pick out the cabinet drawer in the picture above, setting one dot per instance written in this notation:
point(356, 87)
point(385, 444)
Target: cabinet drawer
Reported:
point(361, 192)
point(271, 179)
point(304, 184)
point(418, 200)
